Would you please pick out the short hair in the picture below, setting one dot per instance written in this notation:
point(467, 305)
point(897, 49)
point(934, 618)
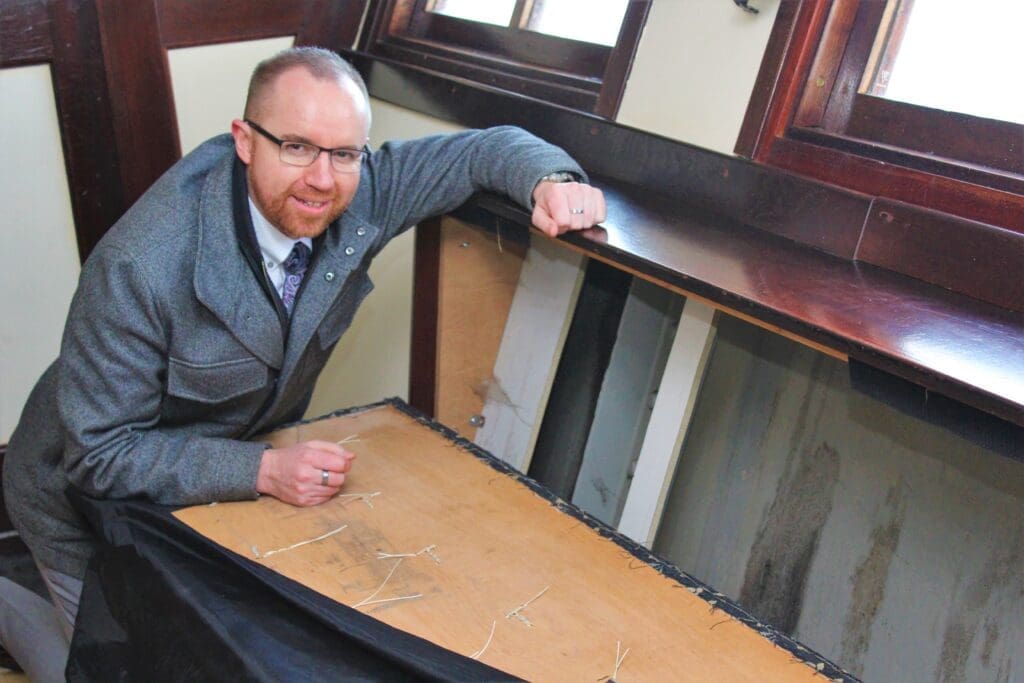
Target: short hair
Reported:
point(321, 63)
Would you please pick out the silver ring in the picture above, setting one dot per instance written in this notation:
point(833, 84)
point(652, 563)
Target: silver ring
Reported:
point(324, 476)
point(576, 212)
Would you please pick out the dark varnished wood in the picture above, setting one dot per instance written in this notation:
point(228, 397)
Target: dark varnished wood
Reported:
point(881, 177)
point(184, 23)
point(784, 68)
point(984, 142)
point(620, 63)
point(331, 23)
point(86, 121)
point(24, 33)
point(963, 348)
point(426, 281)
point(933, 247)
point(140, 86)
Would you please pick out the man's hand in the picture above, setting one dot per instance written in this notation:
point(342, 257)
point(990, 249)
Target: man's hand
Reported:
point(560, 207)
point(295, 474)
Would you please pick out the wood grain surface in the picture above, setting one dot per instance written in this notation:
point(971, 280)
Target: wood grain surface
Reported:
point(497, 544)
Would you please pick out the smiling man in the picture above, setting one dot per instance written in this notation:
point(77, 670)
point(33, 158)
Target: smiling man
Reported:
point(207, 312)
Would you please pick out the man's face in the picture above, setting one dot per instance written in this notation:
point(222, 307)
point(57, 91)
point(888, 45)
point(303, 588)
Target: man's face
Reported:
point(303, 201)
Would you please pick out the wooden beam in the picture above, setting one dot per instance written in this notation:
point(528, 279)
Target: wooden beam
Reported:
point(670, 420)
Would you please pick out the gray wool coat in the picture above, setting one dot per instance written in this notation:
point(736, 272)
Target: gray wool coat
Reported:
point(173, 354)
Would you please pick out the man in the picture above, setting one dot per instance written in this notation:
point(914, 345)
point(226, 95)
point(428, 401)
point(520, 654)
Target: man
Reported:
point(208, 311)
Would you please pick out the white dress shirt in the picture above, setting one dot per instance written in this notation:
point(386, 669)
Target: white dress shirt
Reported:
point(275, 246)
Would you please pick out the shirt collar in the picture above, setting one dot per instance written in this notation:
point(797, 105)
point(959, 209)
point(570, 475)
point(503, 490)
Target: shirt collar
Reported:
point(274, 244)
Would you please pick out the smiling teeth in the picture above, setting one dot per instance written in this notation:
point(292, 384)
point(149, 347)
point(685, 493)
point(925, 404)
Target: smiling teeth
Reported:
point(315, 205)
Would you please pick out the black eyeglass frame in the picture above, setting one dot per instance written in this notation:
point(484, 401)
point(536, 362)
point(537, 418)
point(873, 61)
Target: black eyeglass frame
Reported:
point(363, 153)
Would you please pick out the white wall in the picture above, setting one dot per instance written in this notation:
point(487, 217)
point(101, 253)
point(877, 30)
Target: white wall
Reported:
point(37, 236)
point(695, 68)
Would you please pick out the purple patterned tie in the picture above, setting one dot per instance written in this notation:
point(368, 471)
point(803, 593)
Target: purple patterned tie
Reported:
point(294, 267)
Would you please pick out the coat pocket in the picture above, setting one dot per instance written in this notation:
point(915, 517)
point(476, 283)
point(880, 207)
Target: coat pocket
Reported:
point(215, 382)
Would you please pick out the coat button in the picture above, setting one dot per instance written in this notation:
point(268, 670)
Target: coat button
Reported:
point(360, 231)
point(328, 276)
point(349, 251)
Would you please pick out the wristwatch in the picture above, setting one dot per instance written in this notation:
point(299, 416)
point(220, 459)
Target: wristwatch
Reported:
point(556, 177)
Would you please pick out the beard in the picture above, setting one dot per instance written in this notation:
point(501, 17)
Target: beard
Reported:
point(286, 213)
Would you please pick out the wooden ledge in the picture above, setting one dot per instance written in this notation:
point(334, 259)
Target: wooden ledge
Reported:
point(966, 349)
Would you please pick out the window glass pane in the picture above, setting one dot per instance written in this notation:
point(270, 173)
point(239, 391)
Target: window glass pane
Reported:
point(486, 11)
point(956, 56)
point(592, 21)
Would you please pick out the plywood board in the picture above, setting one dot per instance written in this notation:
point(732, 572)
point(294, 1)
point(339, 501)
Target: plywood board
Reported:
point(451, 548)
point(531, 347)
point(478, 277)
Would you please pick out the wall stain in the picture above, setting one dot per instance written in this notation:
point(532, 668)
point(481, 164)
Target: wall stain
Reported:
point(869, 580)
point(782, 553)
point(1005, 564)
point(991, 636)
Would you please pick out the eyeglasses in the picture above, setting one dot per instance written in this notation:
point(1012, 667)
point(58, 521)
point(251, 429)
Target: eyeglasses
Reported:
point(293, 153)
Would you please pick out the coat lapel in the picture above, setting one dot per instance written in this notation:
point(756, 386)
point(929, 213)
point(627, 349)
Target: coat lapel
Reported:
point(344, 249)
point(223, 280)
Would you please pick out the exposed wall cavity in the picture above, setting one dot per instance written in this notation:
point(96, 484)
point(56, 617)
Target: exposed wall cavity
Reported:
point(888, 544)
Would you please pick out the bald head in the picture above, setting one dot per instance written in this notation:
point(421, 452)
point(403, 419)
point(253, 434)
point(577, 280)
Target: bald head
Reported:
point(322, 64)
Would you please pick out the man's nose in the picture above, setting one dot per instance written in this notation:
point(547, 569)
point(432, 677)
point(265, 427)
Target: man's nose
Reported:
point(319, 174)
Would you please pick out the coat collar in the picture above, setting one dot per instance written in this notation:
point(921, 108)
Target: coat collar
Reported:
point(223, 279)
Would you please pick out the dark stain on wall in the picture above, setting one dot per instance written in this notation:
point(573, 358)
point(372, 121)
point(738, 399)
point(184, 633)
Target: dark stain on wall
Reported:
point(869, 579)
point(970, 606)
point(781, 557)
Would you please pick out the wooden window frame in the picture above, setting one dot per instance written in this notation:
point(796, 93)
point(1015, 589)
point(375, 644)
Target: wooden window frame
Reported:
point(807, 116)
point(576, 74)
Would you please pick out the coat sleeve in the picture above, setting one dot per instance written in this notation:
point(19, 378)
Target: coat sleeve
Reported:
point(412, 180)
point(112, 373)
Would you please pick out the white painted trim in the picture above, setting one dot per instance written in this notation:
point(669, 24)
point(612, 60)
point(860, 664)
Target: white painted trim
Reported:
point(531, 347)
point(669, 422)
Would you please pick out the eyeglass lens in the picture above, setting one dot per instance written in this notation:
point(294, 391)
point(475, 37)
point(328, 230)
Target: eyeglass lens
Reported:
point(302, 154)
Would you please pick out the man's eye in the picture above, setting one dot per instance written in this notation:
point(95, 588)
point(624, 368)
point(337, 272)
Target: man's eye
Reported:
point(343, 154)
point(295, 147)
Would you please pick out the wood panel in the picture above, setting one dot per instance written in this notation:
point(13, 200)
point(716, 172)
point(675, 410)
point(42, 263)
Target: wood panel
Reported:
point(931, 246)
point(495, 568)
point(478, 276)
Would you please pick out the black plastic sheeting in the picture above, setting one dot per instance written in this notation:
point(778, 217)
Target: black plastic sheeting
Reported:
point(163, 603)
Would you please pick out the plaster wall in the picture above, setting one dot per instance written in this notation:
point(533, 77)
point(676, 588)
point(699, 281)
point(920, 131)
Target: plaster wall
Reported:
point(37, 237)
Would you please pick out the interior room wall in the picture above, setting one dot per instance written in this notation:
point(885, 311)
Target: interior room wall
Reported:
point(694, 70)
point(37, 236)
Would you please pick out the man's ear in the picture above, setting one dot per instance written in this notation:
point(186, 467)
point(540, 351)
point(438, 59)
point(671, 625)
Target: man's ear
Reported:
point(243, 140)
